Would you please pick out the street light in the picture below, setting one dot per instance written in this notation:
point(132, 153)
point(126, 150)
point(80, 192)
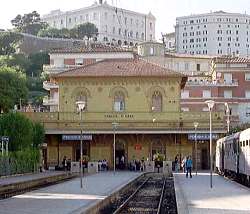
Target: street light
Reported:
point(195, 127)
point(210, 104)
point(228, 119)
point(81, 107)
point(114, 126)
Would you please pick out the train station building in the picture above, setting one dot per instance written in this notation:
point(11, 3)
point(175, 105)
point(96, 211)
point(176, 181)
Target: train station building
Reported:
point(129, 97)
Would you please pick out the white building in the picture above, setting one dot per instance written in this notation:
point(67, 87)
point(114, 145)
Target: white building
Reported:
point(169, 41)
point(115, 25)
point(217, 33)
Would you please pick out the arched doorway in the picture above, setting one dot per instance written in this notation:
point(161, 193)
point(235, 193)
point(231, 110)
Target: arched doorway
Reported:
point(120, 154)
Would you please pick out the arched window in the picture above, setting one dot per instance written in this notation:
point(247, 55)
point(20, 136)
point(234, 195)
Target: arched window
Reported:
point(157, 101)
point(81, 96)
point(119, 101)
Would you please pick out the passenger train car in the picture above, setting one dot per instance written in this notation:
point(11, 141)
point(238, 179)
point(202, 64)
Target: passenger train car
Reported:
point(233, 156)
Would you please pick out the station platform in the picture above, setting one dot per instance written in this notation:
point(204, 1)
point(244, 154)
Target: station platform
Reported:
point(68, 197)
point(28, 177)
point(194, 195)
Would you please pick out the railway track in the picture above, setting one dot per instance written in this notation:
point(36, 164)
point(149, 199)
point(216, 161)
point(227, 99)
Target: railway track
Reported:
point(147, 198)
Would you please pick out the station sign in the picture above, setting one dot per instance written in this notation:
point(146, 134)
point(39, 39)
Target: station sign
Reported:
point(76, 137)
point(205, 136)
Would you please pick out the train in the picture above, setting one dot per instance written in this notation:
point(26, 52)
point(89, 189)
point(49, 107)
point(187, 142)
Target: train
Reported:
point(233, 156)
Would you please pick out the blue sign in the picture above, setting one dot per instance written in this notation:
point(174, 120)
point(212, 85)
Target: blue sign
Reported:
point(76, 137)
point(205, 136)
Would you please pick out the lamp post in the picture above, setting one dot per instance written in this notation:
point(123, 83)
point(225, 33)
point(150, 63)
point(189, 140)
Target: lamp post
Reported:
point(114, 126)
point(228, 119)
point(81, 107)
point(195, 128)
point(210, 104)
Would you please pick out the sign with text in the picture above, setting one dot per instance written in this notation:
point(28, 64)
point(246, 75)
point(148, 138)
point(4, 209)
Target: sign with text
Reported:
point(205, 136)
point(76, 137)
point(138, 147)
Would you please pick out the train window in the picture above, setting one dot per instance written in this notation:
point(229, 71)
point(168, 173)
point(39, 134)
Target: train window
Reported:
point(241, 143)
point(244, 143)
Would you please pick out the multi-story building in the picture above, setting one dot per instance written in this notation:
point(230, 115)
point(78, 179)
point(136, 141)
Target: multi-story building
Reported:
point(69, 58)
point(144, 101)
point(115, 25)
point(169, 41)
point(215, 33)
point(223, 79)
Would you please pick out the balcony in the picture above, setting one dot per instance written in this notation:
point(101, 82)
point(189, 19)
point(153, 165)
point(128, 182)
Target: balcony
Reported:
point(50, 102)
point(55, 69)
point(49, 85)
point(218, 83)
point(164, 122)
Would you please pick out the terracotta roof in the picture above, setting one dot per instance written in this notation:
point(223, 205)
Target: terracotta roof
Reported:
point(232, 60)
point(120, 68)
point(197, 56)
point(90, 48)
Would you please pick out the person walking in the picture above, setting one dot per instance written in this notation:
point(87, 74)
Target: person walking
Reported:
point(176, 163)
point(189, 165)
point(183, 164)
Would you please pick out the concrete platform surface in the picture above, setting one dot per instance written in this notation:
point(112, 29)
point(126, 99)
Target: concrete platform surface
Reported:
point(194, 195)
point(67, 197)
point(28, 177)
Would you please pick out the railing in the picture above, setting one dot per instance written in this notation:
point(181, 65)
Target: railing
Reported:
point(49, 85)
point(222, 83)
point(49, 102)
point(127, 120)
point(57, 69)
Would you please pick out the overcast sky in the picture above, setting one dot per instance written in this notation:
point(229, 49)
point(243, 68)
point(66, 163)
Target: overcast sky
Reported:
point(165, 10)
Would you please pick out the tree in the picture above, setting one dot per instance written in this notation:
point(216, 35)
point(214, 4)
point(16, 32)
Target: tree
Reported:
point(9, 42)
point(88, 29)
point(38, 135)
point(37, 60)
point(29, 23)
point(19, 129)
point(12, 87)
point(55, 33)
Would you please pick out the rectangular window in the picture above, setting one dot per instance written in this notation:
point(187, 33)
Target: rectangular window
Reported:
point(184, 94)
point(228, 78)
point(185, 109)
point(79, 61)
point(206, 94)
point(247, 93)
point(198, 67)
point(186, 66)
point(228, 94)
point(247, 76)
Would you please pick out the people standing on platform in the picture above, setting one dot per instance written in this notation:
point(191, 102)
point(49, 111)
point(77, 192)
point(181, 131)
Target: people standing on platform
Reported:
point(189, 166)
point(183, 164)
point(64, 163)
point(122, 162)
point(176, 163)
point(68, 164)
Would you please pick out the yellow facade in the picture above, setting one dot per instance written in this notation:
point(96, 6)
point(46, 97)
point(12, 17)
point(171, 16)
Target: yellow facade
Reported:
point(141, 132)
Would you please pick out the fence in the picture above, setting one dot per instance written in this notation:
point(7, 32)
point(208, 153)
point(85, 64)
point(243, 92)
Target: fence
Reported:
point(19, 162)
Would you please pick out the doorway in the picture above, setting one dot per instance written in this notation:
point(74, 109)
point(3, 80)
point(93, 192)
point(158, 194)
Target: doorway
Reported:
point(120, 158)
point(204, 159)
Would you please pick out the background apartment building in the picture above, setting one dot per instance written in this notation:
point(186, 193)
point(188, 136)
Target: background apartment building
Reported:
point(115, 25)
point(215, 33)
point(224, 79)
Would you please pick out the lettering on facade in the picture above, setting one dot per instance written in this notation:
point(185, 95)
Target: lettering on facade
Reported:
point(202, 136)
point(122, 116)
point(76, 137)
